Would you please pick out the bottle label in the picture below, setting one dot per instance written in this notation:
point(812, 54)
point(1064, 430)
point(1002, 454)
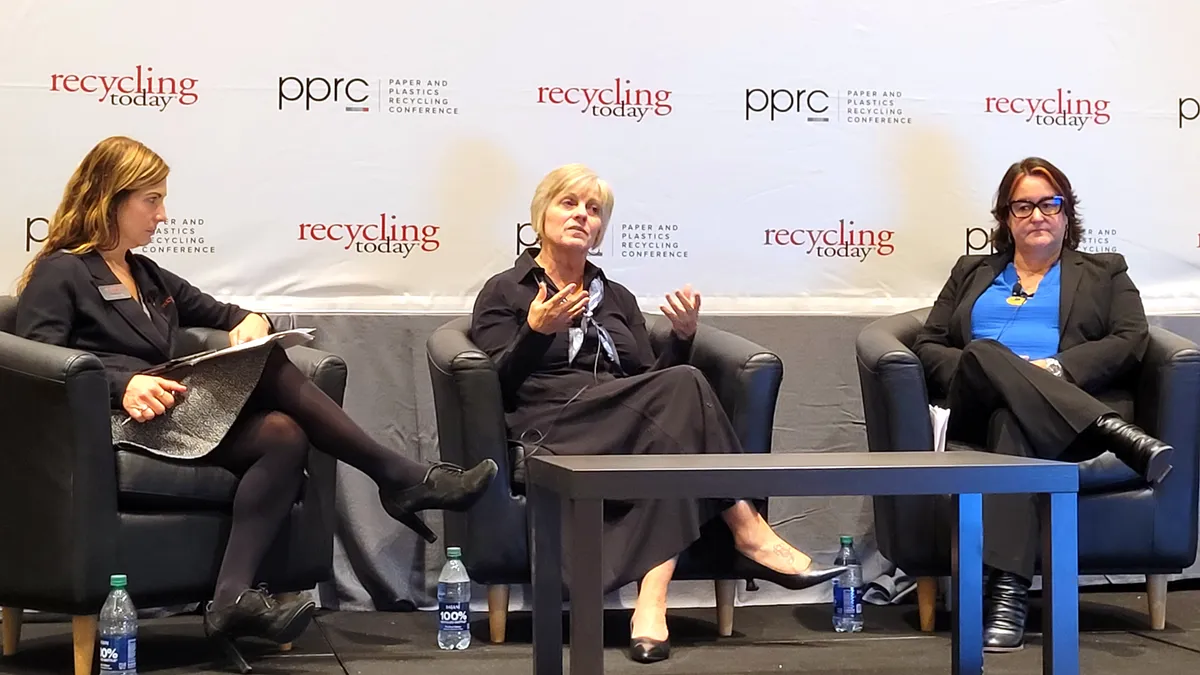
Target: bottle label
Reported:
point(118, 653)
point(454, 616)
point(847, 600)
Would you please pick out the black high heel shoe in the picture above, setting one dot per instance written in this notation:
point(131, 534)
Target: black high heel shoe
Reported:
point(446, 486)
point(648, 650)
point(256, 613)
point(814, 574)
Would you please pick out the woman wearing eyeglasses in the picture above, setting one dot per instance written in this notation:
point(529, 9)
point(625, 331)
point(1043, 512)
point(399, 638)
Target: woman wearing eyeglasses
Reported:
point(1033, 348)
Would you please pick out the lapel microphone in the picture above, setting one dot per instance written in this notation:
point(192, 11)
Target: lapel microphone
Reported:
point(1018, 292)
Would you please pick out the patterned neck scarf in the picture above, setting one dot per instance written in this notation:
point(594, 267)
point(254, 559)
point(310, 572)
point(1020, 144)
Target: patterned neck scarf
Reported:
point(576, 335)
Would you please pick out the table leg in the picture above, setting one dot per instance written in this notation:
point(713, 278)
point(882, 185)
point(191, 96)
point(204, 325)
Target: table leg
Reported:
point(545, 514)
point(1060, 583)
point(966, 567)
point(587, 596)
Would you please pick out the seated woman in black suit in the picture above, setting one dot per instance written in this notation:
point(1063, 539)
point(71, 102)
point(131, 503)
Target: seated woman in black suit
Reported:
point(579, 378)
point(87, 291)
point(1032, 347)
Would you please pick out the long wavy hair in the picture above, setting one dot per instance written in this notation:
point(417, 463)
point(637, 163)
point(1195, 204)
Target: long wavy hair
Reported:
point(86, 218)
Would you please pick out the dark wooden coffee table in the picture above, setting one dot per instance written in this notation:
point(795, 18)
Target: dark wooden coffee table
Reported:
point(575, 488)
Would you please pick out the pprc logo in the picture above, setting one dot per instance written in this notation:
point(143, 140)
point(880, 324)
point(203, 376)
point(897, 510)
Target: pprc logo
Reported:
point(37, 230)
point(979, 241)
point(1189, 110)
point(526, 237)
point(1097, 240)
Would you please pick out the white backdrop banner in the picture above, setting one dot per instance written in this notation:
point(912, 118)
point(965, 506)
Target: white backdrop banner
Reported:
point(803, 156)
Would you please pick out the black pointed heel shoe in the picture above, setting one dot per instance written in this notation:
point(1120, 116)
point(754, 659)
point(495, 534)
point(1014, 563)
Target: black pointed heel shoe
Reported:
point(648, 650)
point(814, 574)
point(447, 487)
point(1008, 605)
point(258, 614)
point(1143, 453)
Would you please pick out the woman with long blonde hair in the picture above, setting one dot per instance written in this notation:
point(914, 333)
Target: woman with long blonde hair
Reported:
point(86, 289)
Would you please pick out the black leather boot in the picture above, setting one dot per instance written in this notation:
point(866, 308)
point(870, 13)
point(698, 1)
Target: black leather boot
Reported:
point(1007, 608)
point(256, 613)
point(446, 486)
point(1143, 453)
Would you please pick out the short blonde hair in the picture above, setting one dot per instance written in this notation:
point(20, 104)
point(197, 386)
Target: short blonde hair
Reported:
point(564, 179)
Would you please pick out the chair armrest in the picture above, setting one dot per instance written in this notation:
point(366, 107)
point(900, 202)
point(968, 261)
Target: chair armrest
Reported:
point(58, 486)
point(1167, 392)
point(895, 399)
point(327, 371)
point(193, 339)
point(746, 377)
point(471, 428)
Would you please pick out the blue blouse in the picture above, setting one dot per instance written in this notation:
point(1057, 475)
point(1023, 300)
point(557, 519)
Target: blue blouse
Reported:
point(1027, 326)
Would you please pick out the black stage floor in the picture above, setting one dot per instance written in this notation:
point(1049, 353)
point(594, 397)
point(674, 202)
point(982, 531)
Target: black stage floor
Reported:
point(1115, 639)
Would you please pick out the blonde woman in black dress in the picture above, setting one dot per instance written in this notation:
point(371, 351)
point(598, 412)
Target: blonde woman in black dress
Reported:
point(579, 377)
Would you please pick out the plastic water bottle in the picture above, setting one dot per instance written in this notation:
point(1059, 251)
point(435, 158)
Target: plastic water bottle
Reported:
point(454, 603)
point(118, 630)
point(847, 590)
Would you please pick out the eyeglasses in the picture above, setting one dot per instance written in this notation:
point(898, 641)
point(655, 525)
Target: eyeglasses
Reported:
point(1023, 208)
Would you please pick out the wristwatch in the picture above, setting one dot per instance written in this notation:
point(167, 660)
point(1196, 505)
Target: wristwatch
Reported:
point(1054, 367)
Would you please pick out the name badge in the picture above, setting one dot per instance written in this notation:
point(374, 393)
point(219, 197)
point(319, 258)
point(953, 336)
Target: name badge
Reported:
point(114, 292)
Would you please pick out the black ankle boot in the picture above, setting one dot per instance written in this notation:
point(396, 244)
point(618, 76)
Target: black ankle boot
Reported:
point(256, 613)
point(1007, 608)
point(1143, 453)
point(446, 486)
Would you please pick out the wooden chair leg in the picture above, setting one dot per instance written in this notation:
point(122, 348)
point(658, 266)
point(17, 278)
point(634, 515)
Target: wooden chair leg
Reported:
point(927, 591)
point(726, 592)
point(497, 612)
point(83, 634)
point(12, 628)
point(1156, 598)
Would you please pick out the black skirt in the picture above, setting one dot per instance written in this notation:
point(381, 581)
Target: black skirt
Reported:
point(673, 411)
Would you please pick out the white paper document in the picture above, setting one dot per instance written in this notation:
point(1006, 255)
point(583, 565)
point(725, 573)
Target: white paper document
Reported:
point(939, 418)
point(284, 338)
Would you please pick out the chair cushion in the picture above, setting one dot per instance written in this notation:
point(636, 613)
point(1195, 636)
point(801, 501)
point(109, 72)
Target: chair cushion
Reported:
point(1106, 473)
point(149, 482)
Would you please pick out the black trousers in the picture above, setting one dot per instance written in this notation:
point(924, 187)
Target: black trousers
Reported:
point(1005, 404)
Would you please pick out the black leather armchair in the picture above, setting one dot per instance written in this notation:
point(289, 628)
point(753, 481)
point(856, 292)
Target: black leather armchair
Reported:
point(470, 419)
point(1125, 525)
point(73, 511)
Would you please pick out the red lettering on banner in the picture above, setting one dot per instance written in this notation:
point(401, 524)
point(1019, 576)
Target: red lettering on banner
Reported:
point(139, 89)
point(394, 237)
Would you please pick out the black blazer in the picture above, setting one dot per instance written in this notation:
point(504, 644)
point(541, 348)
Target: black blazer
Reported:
point(1102, 324)
point(62, 305)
